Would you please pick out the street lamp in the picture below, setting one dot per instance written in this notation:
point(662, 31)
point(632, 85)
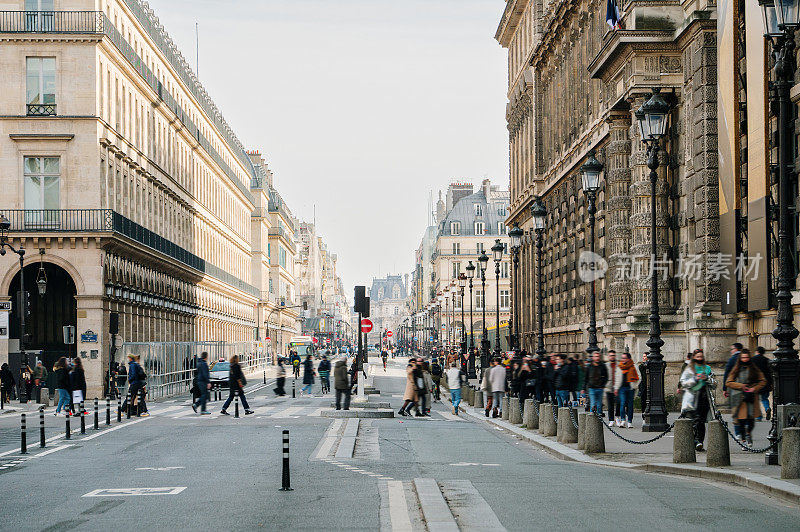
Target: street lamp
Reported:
point(483, 262)
point(497, 253)
point(781, 19)
point(516, 242)
point(471, 364)
point(462, 283)
point(653, 117)
point(590, 179)
point(539, 215)
point(41, 277)
point(22, 305)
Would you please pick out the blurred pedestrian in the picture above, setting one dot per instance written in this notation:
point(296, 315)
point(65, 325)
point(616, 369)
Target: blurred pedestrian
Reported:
point(39, 379)
point(596, 379)
point(744, 382)
point(410, 395)
point(8, 382)
point(341, 383)
point(203, 384)
point(77, 383)
point(308, 376)
point(236, 384)
point(455, 379)
point(562, 382)
point(762, 363)
point(627, 387)
point(436, 376)
point(695, 380)
point(736, 348)
point(486, 388)
point(428, 380)
point(62, 384)
point(280, 380)
point(324, 371)
point(137, 381)
point(497, 381)
point(611, 386)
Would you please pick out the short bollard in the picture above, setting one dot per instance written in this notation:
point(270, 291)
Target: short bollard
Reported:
point(23, 436)
point(546, 420)
point(790, 453)
point(67, 432)
point(514, 414)
point(265, 377)
point(236, 405)
point(285, 484)
point(504, 408)
point(683, 451)
point(569, 430)
point(562, 417)
point(595, 439)
point(717, 445)
point(2, 397)
point(529, 417)
point(108, 411)
point(119, 408)
point(478, 399)
point(294, 385)
point(130, 404)
point(582, 429)
point(96, 416)
point(465, 394)
point(41, 427)
point(83, 419)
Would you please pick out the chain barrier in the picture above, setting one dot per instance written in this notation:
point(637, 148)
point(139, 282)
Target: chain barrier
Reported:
point(573, 416)
point(555, 413)
point(635, 442)
point(744, 445)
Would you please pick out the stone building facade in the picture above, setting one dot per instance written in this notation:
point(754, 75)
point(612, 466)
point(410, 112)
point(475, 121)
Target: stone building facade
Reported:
point(388, 297)
point(574, 85)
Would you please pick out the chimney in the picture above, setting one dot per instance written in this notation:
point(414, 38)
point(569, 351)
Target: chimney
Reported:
point(487, 188)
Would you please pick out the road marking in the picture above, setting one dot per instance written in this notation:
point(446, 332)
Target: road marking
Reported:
point(331, 435)
point(168, 468)
point(470, 510)
point(466, 464)
point(133, 492)
point(398, 508)
point(51, 451)
point(434, 508)
point(288, 412)
point(128, 424)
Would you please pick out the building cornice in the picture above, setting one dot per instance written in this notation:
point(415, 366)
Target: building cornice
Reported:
point(510, 20)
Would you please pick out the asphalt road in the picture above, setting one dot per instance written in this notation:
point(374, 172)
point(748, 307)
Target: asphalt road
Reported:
point(399, 473)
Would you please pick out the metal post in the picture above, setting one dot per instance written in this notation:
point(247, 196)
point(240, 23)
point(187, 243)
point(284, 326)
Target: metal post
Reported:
point(119, 408)
point(484, 339)
point(236, 404)
point(265, 376)
point(41, 427)
point(67, 432)
point(130, 403)
point(514, 310)
point(592, 329)
point(294, 386)
point(83, 419)
point(497, 308)
point(108, 411)
point(2, 397)
point(23, 436)
point(540, 350)
point(285, 484)
point(471, 374)
point(96, 416)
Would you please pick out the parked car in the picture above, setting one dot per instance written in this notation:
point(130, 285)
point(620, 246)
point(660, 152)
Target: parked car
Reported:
point(219, 372)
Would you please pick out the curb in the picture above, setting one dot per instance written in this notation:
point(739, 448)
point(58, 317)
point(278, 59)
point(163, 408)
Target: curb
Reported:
point(761, 483)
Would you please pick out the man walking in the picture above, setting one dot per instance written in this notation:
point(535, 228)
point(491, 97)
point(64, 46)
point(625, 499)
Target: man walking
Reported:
point(236, 383)
point(136, 382)
point(596, 378)
point(203, 384)
point(454, 381)
point(497, 381)
point(341, 384)
point(614, 375)
point(563, 378)
point(761, 362)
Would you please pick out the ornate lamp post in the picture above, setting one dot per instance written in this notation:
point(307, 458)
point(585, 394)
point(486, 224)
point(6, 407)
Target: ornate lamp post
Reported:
point(22, 304)
point(590, 179)
point(781, 20)
point(514, 330)
point(462, 283)
point(497, 253)
point(653, 117)
point(483, 262)
point(539, 215)
point(453, 332)
point(471, 364)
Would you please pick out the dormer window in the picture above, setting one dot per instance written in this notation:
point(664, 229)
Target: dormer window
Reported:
point(455, 228)
point(478, 209)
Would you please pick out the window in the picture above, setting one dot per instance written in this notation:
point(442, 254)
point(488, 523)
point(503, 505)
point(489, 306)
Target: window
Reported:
point(396, 311)
point(479, 299)
point(396, 293)
point(456, 248)
point(457, 303)
point(40, 86)
point(505, 299)
point(456, 269)
point(39, 15)
point(42, 184)
point(455, 228)
point(269, 257)
point(479, 248)
point(478, 209)
point(282, 257)
point(504, 269)
point(271, 287)
point(501, 228)
point(480, 228)
point(501, 210)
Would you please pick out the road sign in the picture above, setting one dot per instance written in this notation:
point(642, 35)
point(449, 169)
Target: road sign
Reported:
point(389, 334)
point(366, 325)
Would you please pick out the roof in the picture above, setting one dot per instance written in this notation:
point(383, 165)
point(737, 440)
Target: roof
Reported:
point(388, 283)
point(464, 212)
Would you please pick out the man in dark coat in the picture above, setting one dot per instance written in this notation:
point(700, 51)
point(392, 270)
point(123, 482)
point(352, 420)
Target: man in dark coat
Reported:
point(341, 383)
point(203, 384)
point(762, 363)
point(8, 382)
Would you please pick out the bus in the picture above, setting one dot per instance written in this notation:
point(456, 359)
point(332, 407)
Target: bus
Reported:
point(304, 345)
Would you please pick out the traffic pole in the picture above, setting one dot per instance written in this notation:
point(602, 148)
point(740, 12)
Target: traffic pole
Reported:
point(2, 397)
point(23, 436)
point(285, 485)
point(96, 416)
point(108, 411)
point(83, 419)
point(41, 427)
point(67, 432)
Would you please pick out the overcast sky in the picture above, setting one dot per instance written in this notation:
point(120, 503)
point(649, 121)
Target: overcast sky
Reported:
point(361, 107)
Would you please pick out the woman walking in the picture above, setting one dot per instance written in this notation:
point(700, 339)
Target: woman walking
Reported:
point(280, 381)
point(428, 380)
point(62, 384)
point(695, 380)
point(77, 382)
point(410, 395)
point(744, 382)
point(627, 387)
point(308, 376)
point(236, 383)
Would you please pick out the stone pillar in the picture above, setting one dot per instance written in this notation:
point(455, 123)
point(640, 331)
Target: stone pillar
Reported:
point(618, 211)
point(790, 453)
point(582, 429)
point(683, 451)
point(505, 408)
point(547, 425)
point(530, 417)
point(718, 446)
point(478, 399)
point(594, 438)
point(569, 432)
point(515, 413)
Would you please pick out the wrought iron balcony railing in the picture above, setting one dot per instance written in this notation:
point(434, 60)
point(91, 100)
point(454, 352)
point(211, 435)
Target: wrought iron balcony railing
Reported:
point(51, 22)
point(41, 109)
point(106, 220)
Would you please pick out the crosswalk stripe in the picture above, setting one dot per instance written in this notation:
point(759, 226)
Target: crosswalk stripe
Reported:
point(471, 511)
point(450, 416)
point(291, 411)
point(398, 507)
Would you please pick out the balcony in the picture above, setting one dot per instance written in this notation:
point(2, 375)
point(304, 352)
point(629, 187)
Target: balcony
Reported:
point(51, 22)
point(41, 109)
point(106, 220)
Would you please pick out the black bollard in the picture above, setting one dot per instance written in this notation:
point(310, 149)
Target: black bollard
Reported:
point(83, 419)
point(285, 484)
point(130, 404)
point(293, 388)
point(96, 418)
point(41, 427)
point(108, 411)
point(139, 410)
point(23, 437)
point(2, 397)
point(265, 377)
point(67, 433)
point(119, 408)
point(236, 405)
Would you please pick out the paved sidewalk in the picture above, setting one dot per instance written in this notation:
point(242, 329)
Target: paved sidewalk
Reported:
point(746, 469)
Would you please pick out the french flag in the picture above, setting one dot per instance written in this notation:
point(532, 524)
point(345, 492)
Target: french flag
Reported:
point(612, 15)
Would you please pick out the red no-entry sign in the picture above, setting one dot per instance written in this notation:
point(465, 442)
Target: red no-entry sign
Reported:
point(389, 334)
point(366, 325)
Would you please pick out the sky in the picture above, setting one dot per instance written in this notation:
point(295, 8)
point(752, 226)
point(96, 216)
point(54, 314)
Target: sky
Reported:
point(363, 109)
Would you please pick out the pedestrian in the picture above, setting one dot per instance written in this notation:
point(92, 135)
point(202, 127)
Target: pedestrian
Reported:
point(628, 383)
point(486, 388)
point(39, 379)
point(236, 384)
point(513, 384)
point(341, 384)
point(8, 382)
point(642, 391)
point(422, 392)
point(384, 356)
point(695, 380)
point(62, 384)
point(324, 371)
point(611, 385)
point(280, 380)
point(736, 348)
point(497, 381)
point(426, 375)
point(525, 388)
point(596, 379)
point(410, 394)
point(549, 389)
point(744, 382)
point(202, 383)
point(579, 368)
point(137, 380)
point(308, 376)
point(436, 376)
point(761, 361)
point(455, 379)
point(562, 382)
point(77, 383)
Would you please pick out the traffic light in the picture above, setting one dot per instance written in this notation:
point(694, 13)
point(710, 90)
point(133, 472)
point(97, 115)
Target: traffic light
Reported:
point(358, 300)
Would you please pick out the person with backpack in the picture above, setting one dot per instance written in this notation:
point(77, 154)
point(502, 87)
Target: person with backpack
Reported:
point(62, 385)
point(236, 384)
point(324, 371)
point(137, 380)
point(295, 360)
point(436, 377)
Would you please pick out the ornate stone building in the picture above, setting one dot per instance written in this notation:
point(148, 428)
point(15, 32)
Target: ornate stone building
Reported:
point(574, 85)
point(387, 305)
